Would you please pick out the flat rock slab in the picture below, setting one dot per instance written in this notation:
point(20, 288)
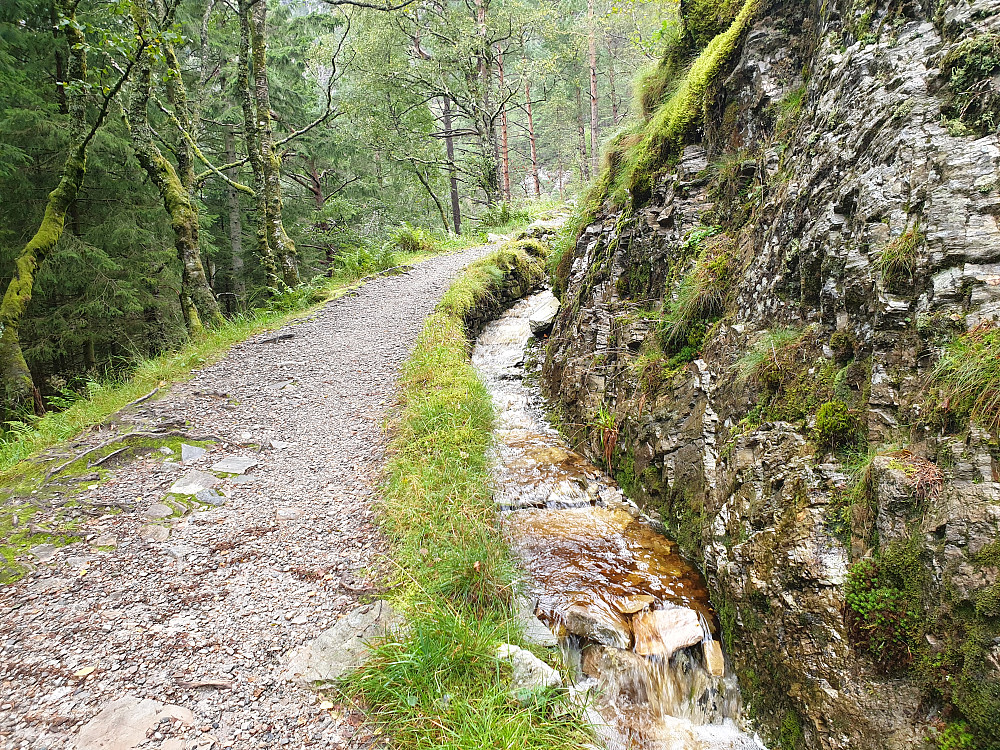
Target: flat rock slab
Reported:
point(342, 647)
point(124, 723)
point(158, 510)
point(191, 453)
point(715, 662)
point(234, 465)
point(155, 533)
point(43, 552)
point(597, 624)
point(194, 482)
point(664, 631)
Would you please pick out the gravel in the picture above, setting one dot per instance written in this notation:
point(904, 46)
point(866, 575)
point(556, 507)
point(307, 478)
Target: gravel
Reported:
point(200, 610)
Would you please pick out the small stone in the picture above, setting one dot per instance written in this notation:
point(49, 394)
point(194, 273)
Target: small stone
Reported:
point(299, 620)
point(541, 319)
point(632, 604)
point(234, 465)
point(194, 482)
point(190, 453)
point(158, 510)
point(715, 662)
point(125, 723)
point(155, 533)
point(43, 552)
point(288, 513)
point(342, 647)
point(280, 444)
point(210, 497)
point(664, 631)
point(166, 451)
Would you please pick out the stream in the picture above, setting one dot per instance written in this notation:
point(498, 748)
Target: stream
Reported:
point(634, 621)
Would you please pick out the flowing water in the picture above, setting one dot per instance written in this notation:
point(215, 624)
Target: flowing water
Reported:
point(633, 617)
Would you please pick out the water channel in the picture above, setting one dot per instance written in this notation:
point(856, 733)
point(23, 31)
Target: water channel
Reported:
point(635, 624)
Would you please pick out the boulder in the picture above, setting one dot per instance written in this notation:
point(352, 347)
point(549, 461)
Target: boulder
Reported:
point(544, 314)
point(664, 631)
point(597, 624)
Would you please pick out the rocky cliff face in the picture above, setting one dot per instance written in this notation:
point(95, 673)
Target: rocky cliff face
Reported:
point(791, 319)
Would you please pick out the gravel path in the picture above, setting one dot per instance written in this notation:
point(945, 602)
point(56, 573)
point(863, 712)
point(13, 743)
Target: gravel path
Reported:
point(234, 588)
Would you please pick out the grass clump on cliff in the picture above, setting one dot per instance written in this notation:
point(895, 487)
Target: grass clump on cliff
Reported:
point(897, 262)
point(969, 375)
point(438, 683)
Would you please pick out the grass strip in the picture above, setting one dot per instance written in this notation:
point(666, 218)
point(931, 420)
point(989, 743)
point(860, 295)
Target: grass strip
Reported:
point(438, 683)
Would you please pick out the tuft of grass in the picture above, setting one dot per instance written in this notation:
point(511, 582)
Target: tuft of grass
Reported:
point(415, 240)
point(969, 375)
point(766, 362)
point(701, 296)
point(438, 683)
point(897, 262)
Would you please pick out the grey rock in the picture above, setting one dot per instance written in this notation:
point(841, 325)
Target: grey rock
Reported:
point(194, 482)
point(166, 451)
point(191, 453)
point(530, 674)
point(44, 552)
point(210, 497)
point(288, 513)
point(535, 631)
point(124, 723)
point(106, 540)
point(342, 647)
point(234, 464)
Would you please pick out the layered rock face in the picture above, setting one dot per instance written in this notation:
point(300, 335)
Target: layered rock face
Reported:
point(766, 330)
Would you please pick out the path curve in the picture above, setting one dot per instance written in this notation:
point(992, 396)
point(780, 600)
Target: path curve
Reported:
point(233, 589)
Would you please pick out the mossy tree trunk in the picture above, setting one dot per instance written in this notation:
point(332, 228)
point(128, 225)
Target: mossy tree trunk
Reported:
point(274, 244)
point(198, 303)
point(19, 391)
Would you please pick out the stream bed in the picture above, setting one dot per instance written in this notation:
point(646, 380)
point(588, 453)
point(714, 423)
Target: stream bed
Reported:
point(634, 621)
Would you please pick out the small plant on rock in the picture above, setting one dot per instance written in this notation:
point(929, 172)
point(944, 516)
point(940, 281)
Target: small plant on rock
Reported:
point(969, 374)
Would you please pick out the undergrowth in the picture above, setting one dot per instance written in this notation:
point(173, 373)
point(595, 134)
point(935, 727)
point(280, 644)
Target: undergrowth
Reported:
point(438, 683)
point(969, 375)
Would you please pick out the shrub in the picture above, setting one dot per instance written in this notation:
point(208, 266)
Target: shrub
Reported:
point(502, 215)
point(884, 610)
point(411, 239)
point(970, 67)
point(835, 425)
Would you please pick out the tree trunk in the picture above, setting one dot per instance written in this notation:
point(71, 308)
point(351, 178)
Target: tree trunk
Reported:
point(252, 140)
point(239, 289)
point(485, 126)
point(611, 88)
point(531, 139)
point(592, 50)
point(581, 132)
point(198, 303)
point(504, 151)
point(277, 239)
point(433, 195)
point(19, 391)
point(449, 147)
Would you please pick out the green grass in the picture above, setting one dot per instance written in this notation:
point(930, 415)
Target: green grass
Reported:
point(969, 375)
point(438, 684)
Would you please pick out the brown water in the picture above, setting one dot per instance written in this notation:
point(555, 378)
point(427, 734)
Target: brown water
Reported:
point(634, 618)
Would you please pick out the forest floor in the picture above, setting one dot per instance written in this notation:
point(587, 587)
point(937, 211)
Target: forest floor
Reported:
point(196, 606)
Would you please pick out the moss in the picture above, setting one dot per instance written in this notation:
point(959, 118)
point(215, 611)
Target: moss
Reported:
point(969, 68)
point(790, 735)
point(842, 344)
point(836, 426)
point(704, 19)
point(635, 157)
